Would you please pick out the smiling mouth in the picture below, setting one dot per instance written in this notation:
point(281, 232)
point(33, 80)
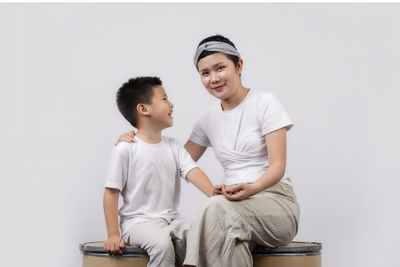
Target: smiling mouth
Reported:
point(170, 113)
point(218, 88)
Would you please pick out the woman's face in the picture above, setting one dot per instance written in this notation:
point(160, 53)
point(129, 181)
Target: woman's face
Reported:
point(219, 75)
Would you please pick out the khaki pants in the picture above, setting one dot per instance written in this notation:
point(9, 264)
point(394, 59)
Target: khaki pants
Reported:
point(227, 231)
point(165, 243)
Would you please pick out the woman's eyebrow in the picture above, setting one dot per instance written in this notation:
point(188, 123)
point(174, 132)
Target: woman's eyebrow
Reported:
point(213, 66)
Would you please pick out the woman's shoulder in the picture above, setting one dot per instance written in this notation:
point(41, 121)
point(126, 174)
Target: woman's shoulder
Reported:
point(262, 95)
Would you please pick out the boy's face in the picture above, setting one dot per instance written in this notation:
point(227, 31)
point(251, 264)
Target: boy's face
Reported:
point(161, 108)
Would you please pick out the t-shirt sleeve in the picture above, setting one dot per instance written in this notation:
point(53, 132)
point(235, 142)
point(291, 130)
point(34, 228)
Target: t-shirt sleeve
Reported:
point(185, 161)
point(198, 135)
point(274, 115)
point(117, 170)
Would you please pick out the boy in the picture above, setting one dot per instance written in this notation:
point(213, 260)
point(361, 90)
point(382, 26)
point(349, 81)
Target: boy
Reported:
point(147, 174)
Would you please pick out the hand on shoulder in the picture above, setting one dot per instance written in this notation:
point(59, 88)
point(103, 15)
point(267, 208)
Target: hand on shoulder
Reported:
point(126, 137)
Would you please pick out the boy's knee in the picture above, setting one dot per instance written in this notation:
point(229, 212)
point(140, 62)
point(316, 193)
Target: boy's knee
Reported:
point(165, 246)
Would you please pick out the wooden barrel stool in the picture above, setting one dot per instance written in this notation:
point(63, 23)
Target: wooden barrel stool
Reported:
point(296, 254)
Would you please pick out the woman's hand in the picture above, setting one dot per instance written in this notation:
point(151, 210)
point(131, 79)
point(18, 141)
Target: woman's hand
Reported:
point(240, 191)
point(126, 137)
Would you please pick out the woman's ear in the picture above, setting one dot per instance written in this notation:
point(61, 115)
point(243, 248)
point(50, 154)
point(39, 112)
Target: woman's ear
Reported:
point(239, 66)
point(142, 109)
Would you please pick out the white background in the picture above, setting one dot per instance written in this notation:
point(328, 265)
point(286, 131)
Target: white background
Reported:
point(335, 68)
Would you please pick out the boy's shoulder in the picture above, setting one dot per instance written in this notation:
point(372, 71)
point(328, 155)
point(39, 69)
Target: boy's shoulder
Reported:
point(171, 141)
point(124, 147)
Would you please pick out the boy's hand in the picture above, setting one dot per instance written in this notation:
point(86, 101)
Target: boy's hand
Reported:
point(217, 190)
point(114, 244)
point(126, 137)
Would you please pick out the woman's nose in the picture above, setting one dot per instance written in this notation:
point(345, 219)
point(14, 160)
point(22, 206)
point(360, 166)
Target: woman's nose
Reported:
point(214, 77)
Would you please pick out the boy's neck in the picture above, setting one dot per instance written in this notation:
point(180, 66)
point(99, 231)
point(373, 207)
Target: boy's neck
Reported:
point(151, 136)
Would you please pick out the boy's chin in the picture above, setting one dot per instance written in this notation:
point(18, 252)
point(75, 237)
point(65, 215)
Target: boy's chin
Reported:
point(169, 124)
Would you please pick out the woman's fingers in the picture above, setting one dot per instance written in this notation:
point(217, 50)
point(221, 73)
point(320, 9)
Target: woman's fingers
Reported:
point(234, 196)
point(126, 137)
point(234, 188)
point(237, 192)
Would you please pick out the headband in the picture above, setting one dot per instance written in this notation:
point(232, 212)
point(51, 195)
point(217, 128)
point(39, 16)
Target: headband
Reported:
point(217, 47)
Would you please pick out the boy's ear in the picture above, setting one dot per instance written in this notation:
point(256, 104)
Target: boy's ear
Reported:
point(142, 109)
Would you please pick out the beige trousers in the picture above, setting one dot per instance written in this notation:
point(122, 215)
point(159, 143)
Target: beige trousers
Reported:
point(227, 231)
point(164, 242)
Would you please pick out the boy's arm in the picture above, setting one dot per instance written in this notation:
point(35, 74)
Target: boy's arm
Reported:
point(201, 181)
point(114, 243)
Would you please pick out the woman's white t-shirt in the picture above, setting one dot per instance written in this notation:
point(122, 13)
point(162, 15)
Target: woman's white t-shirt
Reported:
point(238, 135)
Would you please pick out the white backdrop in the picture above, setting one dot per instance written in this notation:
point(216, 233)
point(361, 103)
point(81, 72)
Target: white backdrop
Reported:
point(335, 68)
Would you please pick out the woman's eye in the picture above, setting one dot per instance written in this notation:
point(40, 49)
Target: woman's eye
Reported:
point(204, 74)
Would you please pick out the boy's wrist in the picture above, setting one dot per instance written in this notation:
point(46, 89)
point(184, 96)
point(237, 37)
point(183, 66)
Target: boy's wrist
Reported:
point(111, 235)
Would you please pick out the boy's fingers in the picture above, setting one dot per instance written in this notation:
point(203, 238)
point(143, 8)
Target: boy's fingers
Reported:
point(116, 248)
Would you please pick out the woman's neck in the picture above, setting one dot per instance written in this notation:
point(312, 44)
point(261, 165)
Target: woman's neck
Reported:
point(234, 100)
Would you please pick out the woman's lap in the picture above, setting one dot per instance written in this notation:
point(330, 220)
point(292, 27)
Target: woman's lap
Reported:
point(269, 218)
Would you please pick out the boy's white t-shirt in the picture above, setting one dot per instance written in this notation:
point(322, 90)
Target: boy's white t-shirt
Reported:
point(238, 135)
point(148, 176)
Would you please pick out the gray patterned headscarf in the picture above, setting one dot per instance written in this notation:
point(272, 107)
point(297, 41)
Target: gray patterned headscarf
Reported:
point(217, 47)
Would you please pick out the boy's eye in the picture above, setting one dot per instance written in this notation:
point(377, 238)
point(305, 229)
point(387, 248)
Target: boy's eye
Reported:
point(220, 67)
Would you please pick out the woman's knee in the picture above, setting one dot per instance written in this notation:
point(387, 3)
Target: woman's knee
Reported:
point(217, 204)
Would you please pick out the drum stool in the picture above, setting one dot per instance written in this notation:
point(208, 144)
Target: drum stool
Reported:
point(295, 254)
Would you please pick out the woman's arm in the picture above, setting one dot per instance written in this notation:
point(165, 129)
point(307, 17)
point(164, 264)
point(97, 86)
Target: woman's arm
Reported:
point(276, 148)
point(195, 150)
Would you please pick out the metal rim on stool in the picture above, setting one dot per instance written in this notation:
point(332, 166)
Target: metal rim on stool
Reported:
point(90, 249)
point(294, 249)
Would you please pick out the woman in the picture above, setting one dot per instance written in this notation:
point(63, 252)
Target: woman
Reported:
point(247, 130)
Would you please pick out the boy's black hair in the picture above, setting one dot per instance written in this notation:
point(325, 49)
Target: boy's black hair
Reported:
point(136, 91)
point(218, 38)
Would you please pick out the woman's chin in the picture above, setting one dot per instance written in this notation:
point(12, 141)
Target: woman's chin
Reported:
point(222, 94)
